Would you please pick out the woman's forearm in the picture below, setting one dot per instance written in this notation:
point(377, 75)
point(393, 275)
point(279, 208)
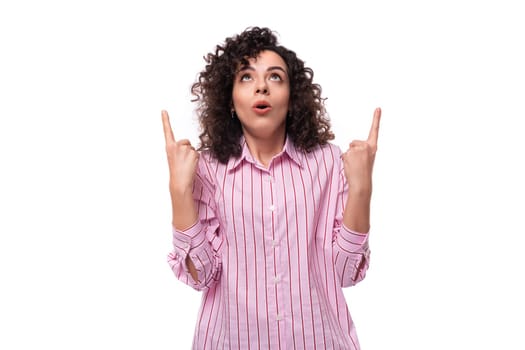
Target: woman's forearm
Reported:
point(356, 216)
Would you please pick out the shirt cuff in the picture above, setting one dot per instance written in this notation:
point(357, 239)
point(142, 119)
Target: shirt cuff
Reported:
point(183, 240)
point(353, 241)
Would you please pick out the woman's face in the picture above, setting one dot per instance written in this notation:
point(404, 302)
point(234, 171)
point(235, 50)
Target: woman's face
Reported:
point(261, 93)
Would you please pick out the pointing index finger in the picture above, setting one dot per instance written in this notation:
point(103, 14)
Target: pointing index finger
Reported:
point(374, 130)
point(168, 132)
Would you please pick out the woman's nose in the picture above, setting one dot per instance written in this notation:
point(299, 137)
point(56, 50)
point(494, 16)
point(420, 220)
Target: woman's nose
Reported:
point(262, 89)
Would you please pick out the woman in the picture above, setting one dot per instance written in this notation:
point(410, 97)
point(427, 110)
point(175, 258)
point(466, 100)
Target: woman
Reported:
point(270, 220)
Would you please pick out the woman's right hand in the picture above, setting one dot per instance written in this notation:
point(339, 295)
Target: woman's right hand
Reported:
point(182, 160)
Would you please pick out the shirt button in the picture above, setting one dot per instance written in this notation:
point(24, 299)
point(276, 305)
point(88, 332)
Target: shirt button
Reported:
point(275, 243)
point(271, 207)
point(276, 279)
point(280, 317)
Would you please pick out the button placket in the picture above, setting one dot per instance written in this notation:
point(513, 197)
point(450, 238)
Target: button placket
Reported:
point(275, 280)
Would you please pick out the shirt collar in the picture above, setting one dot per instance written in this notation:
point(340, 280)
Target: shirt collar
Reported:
point(289, 149)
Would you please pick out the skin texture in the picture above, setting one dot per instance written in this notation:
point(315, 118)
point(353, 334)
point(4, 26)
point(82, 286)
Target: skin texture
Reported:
point(264, 81)
point(358, 163)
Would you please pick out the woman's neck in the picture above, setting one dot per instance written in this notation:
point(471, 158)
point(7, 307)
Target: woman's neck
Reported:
point(264, 149)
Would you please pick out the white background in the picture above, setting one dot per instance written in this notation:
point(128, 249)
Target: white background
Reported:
point(84, 203)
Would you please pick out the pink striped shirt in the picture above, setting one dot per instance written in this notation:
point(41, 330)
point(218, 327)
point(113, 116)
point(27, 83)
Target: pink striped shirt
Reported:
point(272, 253)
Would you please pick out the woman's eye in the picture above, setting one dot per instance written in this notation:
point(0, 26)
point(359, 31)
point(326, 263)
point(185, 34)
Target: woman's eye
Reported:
point(275, 76)
point(245, 77)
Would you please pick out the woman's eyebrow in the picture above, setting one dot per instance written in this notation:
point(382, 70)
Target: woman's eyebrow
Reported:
point(277, 68)
point(245, 68)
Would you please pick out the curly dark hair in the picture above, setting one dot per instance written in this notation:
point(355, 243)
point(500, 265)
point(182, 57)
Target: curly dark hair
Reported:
point(307, 123)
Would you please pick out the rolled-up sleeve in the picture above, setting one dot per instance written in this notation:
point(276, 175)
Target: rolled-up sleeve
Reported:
point(352, 256)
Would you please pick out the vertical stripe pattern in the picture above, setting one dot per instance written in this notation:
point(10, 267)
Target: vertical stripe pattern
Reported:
point(272, 253)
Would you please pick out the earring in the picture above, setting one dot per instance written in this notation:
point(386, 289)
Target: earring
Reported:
point(233, 113)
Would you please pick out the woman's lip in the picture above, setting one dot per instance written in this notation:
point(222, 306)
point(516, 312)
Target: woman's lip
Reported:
point(262, 111)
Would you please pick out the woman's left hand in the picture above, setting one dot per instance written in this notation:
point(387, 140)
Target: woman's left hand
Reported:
point(359, 159)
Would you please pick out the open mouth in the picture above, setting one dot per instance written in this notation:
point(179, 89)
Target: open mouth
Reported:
point(261, 107)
